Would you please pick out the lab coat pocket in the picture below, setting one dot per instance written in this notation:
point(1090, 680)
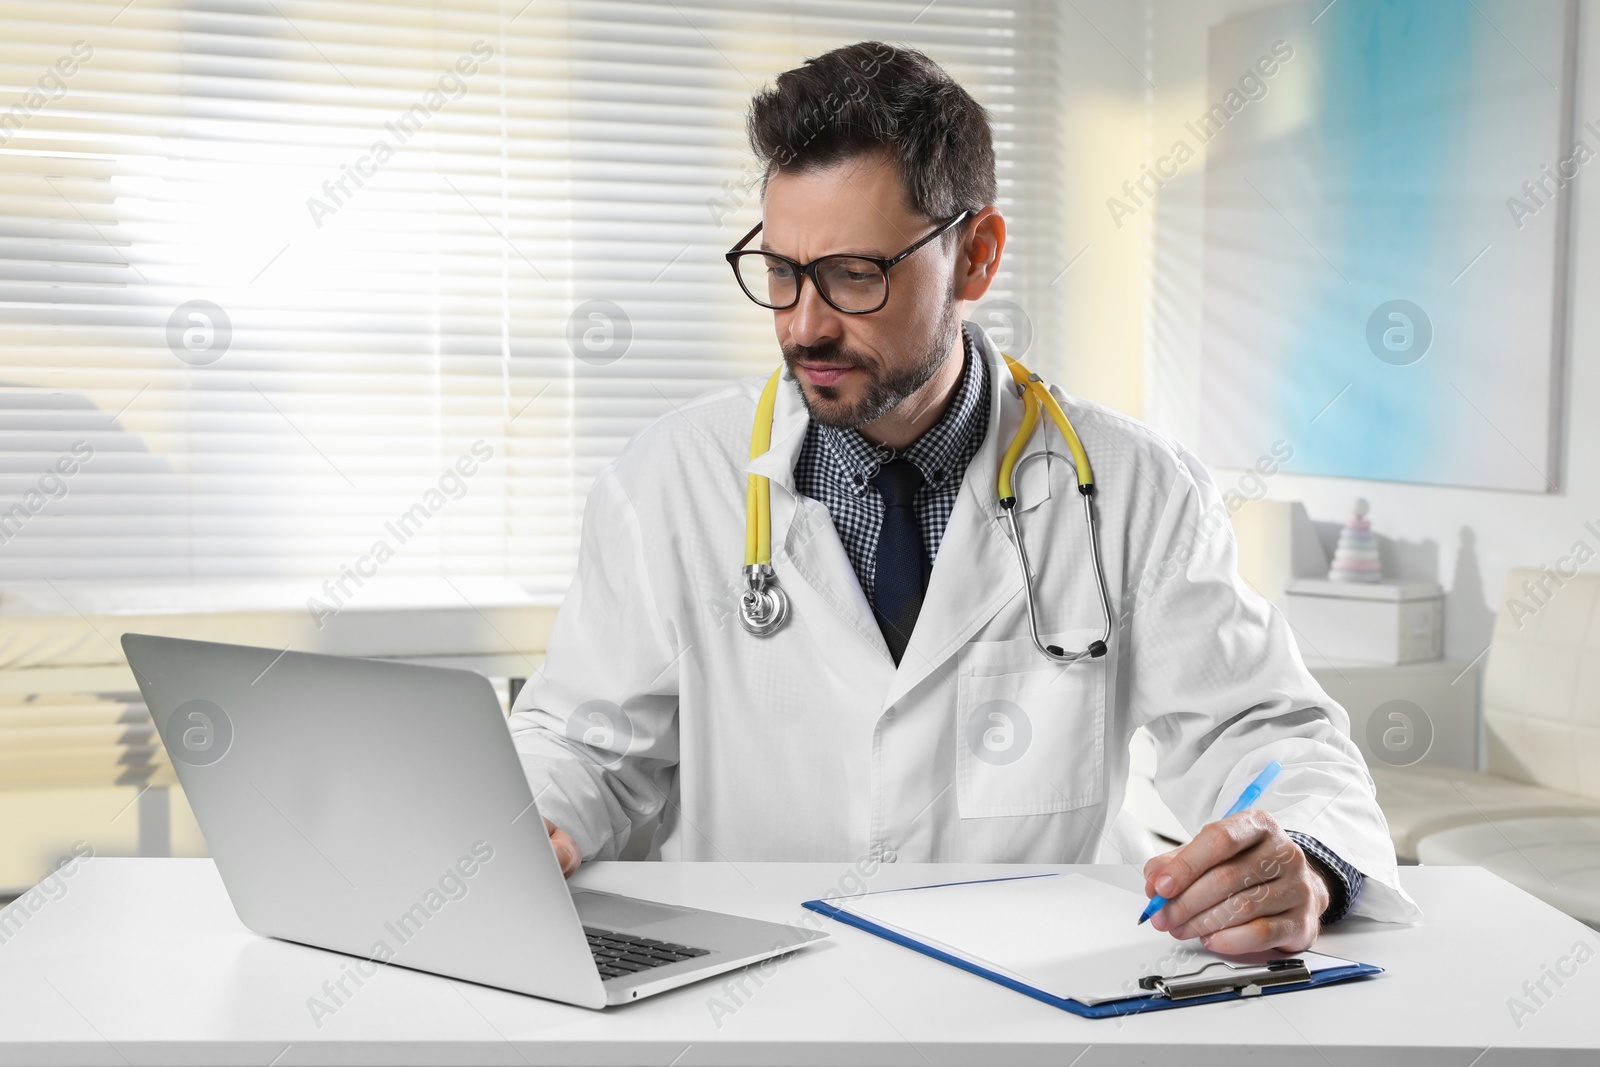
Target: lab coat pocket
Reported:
point(1030, 733)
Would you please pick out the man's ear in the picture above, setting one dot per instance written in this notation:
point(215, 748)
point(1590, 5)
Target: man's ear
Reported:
point(978, 257)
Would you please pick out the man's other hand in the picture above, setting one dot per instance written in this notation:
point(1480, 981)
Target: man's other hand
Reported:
point(1242, 885)
point(566, 848)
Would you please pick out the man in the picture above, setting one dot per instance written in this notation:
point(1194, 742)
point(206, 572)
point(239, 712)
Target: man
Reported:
point(902, 711)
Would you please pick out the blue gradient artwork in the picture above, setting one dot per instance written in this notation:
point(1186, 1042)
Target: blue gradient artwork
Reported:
point(1384, 238)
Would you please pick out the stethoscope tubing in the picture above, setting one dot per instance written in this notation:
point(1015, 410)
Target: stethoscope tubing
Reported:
point(1055, 652)
point(764, 607)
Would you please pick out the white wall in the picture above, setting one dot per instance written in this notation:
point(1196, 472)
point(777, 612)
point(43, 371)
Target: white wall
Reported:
point(1464, 539)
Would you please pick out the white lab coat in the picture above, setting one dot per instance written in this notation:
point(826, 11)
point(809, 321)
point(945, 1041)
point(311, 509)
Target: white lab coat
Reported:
point(811, 745)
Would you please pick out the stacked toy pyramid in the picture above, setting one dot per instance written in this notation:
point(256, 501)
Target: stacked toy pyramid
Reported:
point(1356, 557)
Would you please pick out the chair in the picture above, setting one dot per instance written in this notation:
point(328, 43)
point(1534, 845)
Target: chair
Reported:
point(1534, 817)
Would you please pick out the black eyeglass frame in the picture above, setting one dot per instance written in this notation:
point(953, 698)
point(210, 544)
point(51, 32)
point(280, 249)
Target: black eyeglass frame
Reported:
point(809, 270)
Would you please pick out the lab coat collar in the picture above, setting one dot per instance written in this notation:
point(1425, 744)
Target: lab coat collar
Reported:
point(789, 422)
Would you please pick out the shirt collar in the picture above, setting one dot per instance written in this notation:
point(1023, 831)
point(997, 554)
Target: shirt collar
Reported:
point(940, 451)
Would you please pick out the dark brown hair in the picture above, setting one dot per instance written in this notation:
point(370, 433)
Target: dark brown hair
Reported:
point(870, 98)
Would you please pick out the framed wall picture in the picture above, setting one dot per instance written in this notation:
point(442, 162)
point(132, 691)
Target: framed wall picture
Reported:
point(1385, 238)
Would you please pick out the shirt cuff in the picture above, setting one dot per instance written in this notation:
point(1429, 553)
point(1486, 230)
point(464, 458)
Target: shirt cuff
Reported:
point(1344, 881)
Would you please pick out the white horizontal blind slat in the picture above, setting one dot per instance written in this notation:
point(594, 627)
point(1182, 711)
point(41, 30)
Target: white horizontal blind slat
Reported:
point(382, 330)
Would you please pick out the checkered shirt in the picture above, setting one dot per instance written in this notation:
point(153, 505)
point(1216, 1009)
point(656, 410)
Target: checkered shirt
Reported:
point(836, 467)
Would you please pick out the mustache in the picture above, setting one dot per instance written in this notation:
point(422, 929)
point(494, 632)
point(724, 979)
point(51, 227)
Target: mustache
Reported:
point(831, 354)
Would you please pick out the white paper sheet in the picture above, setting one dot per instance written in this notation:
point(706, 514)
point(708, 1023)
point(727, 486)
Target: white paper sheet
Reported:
point(1070, 935)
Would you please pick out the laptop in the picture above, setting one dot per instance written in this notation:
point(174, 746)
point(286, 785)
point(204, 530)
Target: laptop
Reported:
point(380, 809)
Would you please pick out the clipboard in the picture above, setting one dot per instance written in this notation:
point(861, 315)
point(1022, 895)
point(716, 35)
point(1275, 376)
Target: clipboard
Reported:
point(1200, 978)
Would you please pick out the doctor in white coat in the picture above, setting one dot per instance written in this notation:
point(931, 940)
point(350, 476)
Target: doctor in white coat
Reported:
point(942, 733)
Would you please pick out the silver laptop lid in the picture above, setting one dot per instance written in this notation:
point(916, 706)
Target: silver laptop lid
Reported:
point(356, 804)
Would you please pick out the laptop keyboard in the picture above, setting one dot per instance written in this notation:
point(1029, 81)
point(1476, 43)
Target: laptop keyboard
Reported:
point(622, 954)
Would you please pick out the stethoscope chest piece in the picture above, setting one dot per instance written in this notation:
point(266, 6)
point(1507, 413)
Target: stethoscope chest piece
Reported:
point(764, 606)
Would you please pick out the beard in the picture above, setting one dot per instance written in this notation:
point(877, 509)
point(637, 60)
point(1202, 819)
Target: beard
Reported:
point(885, 388)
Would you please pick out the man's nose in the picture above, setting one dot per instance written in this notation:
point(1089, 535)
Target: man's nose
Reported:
point(811, 320)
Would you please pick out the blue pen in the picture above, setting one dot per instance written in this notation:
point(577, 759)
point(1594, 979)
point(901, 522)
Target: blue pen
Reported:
point(1251, 794)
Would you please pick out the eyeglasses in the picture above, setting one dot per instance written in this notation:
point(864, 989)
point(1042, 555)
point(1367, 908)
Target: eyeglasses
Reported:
point(852, 284)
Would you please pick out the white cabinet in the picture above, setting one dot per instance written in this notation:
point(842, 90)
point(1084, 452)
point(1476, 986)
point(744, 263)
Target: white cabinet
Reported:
point(1382, 622)
point(1407, 714)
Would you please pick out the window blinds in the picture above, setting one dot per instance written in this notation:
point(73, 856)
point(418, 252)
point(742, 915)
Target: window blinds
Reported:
point(285, 283)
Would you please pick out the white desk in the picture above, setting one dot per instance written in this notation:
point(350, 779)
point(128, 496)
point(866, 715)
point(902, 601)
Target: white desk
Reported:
point(142, 961)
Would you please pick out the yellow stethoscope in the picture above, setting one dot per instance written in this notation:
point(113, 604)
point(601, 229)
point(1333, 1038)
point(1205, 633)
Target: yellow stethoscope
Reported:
point(764, 606)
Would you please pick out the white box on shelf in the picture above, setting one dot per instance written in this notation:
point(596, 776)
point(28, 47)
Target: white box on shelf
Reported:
point(1378, 622)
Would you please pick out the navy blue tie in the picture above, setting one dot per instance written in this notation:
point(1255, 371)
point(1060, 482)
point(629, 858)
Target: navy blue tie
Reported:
point(900, 569)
